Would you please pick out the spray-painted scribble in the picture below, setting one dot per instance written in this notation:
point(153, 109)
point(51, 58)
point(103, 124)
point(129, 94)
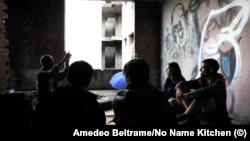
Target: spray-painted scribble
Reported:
point(179, 42)
point(176, 38)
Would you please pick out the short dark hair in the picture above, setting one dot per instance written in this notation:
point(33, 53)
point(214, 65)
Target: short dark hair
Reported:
point(137, 70)
point(212, 64)
point(80, 73)
point(45, 59)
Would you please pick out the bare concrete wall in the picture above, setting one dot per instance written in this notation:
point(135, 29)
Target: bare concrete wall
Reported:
point(147, 36)
point(4, 59)
point(193, 31)
point(34, 28)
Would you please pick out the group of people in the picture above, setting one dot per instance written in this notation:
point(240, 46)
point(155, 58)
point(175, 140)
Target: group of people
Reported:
point(62, 108)
point(195, 102)
point(198, 101)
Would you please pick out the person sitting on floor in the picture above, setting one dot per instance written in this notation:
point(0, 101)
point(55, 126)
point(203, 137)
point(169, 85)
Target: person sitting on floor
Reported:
point(174, 76)
point(208, 97)
point(140, 103)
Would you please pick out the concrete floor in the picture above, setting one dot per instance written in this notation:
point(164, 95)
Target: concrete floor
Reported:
point(105, 99)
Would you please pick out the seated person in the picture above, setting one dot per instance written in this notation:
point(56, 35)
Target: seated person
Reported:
point(140, 103)
point(174, 76)
point(209, 95)
point(70, 106)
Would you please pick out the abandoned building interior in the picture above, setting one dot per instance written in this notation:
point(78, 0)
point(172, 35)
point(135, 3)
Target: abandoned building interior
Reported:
point(159, 31)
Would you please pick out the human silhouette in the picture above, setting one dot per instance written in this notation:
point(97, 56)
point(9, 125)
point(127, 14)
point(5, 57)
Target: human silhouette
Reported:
point(140, 104)
point(71, 106)
point(49, 74)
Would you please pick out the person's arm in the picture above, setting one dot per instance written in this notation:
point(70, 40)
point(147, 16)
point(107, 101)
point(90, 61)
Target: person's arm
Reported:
point(166, 88)
point(66, 68)
point(194, 84)
point(62, 74)
point(180, 98)
point(64, 59)
point(206, 92)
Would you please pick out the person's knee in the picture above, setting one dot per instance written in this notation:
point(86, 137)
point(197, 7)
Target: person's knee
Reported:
point(177, 107)
point(173, 102)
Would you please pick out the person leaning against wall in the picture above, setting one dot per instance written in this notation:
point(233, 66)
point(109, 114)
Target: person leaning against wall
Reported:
point(173, 76)
point(207, 99)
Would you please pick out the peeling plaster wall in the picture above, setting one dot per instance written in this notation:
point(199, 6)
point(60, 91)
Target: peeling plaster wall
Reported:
point(194, 30)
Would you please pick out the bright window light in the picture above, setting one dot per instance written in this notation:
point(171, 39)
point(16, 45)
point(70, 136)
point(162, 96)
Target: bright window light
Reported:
point(83, 31)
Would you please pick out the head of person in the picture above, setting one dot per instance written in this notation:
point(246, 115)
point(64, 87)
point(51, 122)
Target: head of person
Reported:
point(80, 74)
point(136, 71)
point(209, 67)
point(173, 70)
point(47, 61)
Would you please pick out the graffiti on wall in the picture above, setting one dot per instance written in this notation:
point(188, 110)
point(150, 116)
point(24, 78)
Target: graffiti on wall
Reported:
point(221, 37)
point(178, 41)
point(220, 25)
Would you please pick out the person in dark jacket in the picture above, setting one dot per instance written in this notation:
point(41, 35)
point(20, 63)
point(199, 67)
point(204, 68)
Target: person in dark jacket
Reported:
point(208, 96)
point(71, 106)
point(140, 103)
point(174, 76)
